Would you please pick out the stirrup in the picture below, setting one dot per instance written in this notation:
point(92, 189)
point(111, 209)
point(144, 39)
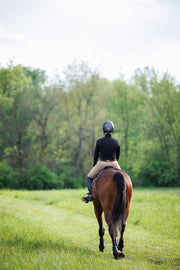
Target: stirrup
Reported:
point(87, 198)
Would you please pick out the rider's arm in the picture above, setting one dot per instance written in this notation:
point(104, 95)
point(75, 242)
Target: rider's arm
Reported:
point(118, 151)
point(96, 154)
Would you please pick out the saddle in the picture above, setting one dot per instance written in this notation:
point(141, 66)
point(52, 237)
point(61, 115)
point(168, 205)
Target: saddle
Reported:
point(107, 167)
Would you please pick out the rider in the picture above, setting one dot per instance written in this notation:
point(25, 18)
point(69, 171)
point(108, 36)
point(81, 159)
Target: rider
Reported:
point(107, 152)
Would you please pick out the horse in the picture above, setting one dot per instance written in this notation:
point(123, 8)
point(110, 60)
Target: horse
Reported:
point(112, 193)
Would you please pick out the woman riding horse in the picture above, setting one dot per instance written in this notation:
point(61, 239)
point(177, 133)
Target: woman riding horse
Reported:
point(107, 152)
point(112, 190)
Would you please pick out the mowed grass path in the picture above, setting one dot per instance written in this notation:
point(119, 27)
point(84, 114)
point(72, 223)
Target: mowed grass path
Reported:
point(56, 230)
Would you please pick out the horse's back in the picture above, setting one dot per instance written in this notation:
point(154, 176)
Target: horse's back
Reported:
point(103, 187)
point(106, 177)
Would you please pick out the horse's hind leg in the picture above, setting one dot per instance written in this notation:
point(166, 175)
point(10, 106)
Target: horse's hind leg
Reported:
point(121, 240)
point(122, 229)
point(113, 233)
point(98, 213)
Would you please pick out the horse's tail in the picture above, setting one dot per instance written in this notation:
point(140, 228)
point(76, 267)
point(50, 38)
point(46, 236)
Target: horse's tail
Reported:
point(118, 210)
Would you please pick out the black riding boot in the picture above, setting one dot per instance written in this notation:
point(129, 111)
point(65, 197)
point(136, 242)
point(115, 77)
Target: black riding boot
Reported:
point(89, 197)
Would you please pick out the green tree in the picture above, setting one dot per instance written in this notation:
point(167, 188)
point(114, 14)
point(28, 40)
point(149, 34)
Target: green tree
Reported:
point(37, 76)
point(43, 104)
point(165, 118)
point(14, 118)
point(161, 130)
point(84, 101)
point(127, 107)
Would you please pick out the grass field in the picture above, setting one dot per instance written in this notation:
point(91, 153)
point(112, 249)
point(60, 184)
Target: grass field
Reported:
point(56, 230)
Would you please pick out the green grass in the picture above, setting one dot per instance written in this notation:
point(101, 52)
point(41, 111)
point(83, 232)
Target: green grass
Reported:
point(56, 230)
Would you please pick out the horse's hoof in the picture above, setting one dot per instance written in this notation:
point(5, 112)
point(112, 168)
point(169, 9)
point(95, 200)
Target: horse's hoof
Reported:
point(101, 248)
point(121, 254)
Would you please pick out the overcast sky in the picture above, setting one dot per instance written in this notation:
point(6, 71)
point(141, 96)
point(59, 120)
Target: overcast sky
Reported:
point(118, 36)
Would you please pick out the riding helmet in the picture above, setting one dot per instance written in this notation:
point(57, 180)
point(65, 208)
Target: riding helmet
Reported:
point(108, 126)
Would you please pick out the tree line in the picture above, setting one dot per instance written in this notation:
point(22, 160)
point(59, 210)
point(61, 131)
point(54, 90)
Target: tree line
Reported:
point(48, 129)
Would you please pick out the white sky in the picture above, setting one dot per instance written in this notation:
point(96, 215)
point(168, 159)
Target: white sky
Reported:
point(116, 35)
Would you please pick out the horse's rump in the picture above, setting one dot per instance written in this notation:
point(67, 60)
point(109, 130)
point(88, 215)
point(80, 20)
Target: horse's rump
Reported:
point(109, 190)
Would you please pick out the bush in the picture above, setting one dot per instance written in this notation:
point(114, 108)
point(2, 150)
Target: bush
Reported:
point(6, 175)
point(157, 173)
point(69, 178)
point(40, 177)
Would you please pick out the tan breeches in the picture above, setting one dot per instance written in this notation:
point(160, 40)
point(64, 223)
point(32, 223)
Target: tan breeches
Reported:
point(100, 165)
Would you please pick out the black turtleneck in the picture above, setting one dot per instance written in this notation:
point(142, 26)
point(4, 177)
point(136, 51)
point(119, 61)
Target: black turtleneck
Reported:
point(107, 148)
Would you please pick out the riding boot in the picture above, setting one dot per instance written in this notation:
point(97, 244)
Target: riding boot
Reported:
point(90, 196)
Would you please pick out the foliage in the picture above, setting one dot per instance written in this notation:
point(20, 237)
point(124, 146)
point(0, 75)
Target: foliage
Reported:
point(69, 178)
point(40, 177)
point(6, 175)
point(49, 130)
point(128, 104)
point(161, 129)
point(157, 173)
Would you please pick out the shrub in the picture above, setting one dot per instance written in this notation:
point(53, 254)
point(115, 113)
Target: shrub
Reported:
point(6, 175)
point(40, 177)
point(69, 178)
point(157, 173)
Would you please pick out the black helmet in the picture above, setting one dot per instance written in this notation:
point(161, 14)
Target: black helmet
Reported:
point(108, 126)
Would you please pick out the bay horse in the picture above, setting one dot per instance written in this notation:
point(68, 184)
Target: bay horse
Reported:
point(112, 193)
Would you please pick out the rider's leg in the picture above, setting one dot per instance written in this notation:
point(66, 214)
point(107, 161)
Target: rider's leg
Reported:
point(89, 197)
point(94, 171)
point(89, 184)
point(115, 164)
